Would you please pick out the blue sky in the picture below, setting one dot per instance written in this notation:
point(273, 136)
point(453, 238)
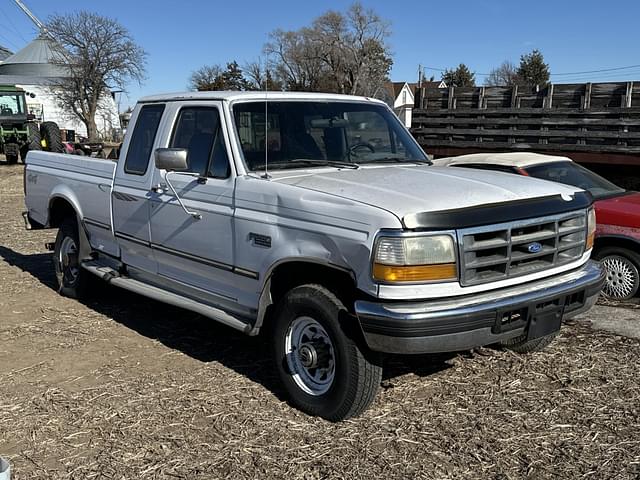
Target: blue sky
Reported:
point(181, 36)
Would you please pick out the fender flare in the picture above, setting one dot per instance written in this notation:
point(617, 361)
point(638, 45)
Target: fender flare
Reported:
point(62, 192)
point(266, 299)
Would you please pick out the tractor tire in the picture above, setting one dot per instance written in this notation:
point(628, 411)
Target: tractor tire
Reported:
point(33, 141)
point(51, 137)
point(11, 159)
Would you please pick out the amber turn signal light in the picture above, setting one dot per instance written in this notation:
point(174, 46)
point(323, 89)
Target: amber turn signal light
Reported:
point(415, 273)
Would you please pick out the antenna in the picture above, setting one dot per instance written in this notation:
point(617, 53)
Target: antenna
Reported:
point(33, 18)
point(266, 123)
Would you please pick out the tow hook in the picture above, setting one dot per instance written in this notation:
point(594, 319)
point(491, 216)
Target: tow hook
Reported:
point(50, 246)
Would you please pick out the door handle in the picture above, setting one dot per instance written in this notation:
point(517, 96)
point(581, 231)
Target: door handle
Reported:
point(159, 188)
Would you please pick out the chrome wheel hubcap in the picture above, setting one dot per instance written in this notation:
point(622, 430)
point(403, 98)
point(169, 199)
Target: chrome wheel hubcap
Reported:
point(310, 356)
point(68, 258)
point(622, 277)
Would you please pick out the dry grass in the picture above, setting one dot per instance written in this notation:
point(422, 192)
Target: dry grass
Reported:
point(126, 388)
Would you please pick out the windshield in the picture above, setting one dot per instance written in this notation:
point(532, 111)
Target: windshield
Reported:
point(11, 104)
point(323, 133)
point(571, 173)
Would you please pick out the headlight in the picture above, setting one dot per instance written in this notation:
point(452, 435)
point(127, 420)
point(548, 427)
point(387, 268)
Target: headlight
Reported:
point(415, 259)
point(591, 228)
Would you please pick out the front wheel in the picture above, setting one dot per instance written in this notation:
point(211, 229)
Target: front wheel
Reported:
point(623, 277)
point(324, 369)
point(522, 345)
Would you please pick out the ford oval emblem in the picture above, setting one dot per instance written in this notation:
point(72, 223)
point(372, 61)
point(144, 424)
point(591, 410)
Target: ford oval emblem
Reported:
point(534, 247)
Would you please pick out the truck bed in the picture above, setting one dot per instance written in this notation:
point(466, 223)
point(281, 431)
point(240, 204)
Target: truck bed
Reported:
point(82, 181)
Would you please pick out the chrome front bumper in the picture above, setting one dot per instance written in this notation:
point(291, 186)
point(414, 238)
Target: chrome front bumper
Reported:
point(470, 321)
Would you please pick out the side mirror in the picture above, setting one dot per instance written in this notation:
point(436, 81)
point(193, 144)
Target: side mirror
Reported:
point(171, 159)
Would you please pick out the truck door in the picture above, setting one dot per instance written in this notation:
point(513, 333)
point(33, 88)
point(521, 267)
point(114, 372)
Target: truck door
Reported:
point(199, 251)
point(131, 190)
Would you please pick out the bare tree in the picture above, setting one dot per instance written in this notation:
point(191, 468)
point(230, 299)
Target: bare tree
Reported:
point(297, 60)
point(99, 55)
point(260, 76)
point(505, 75)
point(205, 77)
point(214, 77)
point(339, 52)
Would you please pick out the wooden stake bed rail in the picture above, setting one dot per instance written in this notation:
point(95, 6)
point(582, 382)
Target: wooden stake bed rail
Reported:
point(592, 122)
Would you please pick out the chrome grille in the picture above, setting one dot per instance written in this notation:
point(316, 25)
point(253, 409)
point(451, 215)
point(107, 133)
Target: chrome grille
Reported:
point(502, 251)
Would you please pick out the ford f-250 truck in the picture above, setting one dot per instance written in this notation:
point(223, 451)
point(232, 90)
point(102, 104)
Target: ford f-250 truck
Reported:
point(318, 219)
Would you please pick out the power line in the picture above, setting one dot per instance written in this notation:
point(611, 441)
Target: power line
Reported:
point(13, 27)
point(596, 71)
point(9, 42)
point(563, 74)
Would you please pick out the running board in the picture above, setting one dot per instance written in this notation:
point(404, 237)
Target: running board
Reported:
point(112, 276)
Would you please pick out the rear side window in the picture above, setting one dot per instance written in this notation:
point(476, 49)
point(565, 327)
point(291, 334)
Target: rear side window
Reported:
point(198, 130)
point(144, 134)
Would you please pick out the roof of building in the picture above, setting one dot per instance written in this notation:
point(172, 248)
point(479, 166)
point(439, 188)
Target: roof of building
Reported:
point(37, 58)
point(4, 53)
point(254, 95)
point(509, 159)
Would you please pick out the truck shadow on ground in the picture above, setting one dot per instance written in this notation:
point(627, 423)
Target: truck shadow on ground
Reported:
point(196, 336)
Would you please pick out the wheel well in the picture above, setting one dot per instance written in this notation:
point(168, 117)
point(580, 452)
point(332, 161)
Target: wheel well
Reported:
point(617, 241)
point(59, 210)
point(291, 274)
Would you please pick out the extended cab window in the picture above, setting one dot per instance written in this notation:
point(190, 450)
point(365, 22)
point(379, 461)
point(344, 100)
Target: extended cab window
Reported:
point(144, 134)
point(198, 130)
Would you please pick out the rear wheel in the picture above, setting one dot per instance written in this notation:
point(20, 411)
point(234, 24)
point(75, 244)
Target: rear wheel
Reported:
point(324, 369)
point(51, 137)
point(11, 159)
point(623, 277)
point(73, 280)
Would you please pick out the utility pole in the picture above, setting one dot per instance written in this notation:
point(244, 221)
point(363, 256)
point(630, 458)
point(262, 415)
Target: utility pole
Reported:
point(420, 75)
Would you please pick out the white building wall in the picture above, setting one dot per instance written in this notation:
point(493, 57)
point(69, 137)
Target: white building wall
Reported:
point(46, 109)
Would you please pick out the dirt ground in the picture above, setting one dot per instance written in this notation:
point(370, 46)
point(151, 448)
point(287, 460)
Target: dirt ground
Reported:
point(121, 387)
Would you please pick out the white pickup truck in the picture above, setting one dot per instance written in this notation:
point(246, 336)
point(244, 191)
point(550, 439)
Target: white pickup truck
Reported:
point(318, 219)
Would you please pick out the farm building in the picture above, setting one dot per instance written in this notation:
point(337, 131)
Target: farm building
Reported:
point(32, 68)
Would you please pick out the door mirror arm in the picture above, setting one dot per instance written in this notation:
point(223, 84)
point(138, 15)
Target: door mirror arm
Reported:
point(193, 214)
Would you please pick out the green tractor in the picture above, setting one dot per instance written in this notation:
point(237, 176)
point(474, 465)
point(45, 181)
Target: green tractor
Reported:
point(19, 133)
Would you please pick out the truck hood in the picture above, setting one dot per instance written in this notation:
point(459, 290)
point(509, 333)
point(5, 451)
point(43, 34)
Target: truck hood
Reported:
point(407, 190)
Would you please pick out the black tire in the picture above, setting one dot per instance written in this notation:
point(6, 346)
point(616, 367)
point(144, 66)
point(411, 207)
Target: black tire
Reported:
point(11, 159)
point(522, 345)
point(357, 372)
point(623, 272)
point(51, 137)
point(73, 280)
point(33, 141)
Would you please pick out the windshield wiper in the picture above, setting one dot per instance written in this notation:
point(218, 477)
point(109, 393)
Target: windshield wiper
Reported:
point(396, 160)
point(308, 161)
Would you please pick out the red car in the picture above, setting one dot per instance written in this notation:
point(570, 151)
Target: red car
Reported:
point(617, 243)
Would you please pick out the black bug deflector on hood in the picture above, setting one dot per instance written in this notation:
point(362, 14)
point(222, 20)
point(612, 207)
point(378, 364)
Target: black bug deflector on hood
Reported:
point(496, 212)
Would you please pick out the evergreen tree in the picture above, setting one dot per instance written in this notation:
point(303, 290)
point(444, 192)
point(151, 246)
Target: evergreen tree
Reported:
point(460, 77)
point(533, 72)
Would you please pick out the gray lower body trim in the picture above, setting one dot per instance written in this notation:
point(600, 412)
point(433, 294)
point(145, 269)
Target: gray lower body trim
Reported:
point(474, 320)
